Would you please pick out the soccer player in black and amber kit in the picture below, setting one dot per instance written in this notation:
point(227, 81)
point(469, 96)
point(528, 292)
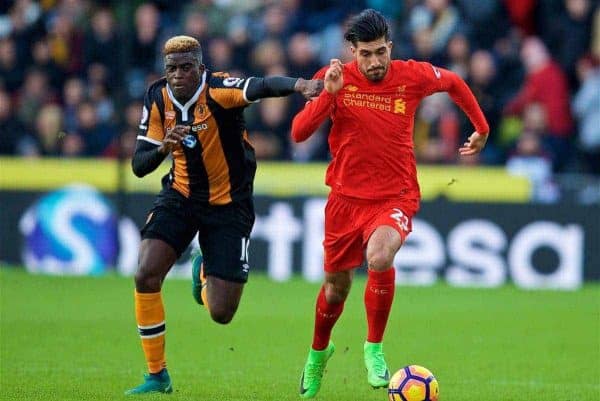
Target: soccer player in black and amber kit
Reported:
point(197, 116)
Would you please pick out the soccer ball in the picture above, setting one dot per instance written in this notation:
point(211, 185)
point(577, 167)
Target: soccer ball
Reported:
point(413, 383)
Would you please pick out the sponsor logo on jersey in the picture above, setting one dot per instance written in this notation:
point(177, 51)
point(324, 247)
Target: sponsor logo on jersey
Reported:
point(199, 127)
point(189, 141)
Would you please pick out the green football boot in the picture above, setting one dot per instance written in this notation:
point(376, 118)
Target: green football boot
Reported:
point(310, 383)
point(198, 278)
point(153, 383)
point(378, 374)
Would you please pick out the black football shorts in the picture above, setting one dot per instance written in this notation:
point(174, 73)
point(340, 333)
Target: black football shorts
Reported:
point(223, 231)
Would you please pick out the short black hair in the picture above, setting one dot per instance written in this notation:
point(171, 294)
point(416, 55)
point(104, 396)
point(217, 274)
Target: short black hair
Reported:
point(367, 26)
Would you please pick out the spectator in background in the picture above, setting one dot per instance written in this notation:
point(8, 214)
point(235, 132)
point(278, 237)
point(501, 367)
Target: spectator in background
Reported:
point(35, 93)
point(265, 55)
point(13, 132)
point(195, 24)
point(220, 54)
point(101, 44)
point(269, 123)
point(129, 130)
point(238, 36)
point(436, 132)
point(458, 54)
point(529, 158)
point(214, 17)
point(586, 106)
point(546, 84)
point(145, 41)
point(96, 136)
point(66, 42)
point(268, 132)
point(23, 25)
point(11, 72)
point(49, 131)
point(568, 36)
point(522, 15)
point(274, 24)
point(43, 61)
point(434, 21)
point(103, 102)
point(301, 55)
point(483, 81)
point(486, 19)
point(74, 93)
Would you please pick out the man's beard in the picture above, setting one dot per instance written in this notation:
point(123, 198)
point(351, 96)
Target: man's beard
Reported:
point(376, 74)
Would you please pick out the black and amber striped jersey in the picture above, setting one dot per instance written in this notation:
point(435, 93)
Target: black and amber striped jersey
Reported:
point(215, 162)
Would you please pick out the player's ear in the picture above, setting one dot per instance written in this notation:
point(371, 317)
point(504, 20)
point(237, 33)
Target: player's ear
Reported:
point(353, 50)
point(390, 44)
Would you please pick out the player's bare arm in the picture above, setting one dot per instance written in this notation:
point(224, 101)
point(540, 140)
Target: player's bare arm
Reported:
point(277, 86)
point(309, 88)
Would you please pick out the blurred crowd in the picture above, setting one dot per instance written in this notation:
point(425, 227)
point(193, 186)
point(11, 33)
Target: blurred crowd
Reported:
point(73, 72)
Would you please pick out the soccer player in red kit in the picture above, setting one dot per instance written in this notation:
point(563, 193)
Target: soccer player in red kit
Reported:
point(373, 179)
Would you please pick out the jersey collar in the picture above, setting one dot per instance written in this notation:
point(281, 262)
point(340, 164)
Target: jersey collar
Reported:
point(185, 108)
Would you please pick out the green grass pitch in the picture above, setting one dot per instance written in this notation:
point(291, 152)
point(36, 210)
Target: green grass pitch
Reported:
point(75, 339)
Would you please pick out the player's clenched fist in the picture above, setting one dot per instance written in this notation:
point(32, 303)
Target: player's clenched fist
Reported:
point(172, 137)
point(334, 78)
point(309, 88)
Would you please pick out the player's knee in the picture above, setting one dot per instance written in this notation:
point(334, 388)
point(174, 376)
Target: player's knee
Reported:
point(379, 260)
point(145, 282)
point(221, 315)
point(336, 294)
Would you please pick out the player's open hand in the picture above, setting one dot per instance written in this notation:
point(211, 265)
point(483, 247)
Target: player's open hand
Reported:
point(473, 145)
point(173, 137)
point(309, 88)
point(334, 77)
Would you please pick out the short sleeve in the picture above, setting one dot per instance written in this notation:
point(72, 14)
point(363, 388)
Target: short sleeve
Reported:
point(151, 125)
point(229, 92)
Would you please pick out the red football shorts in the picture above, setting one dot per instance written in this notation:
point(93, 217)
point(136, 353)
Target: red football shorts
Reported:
point(349, 223)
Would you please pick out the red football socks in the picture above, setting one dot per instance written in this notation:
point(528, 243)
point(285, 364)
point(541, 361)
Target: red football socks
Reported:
point(325, 317)
point(379, 295)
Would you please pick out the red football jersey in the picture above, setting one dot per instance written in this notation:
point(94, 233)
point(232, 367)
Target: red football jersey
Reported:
point(371, 138)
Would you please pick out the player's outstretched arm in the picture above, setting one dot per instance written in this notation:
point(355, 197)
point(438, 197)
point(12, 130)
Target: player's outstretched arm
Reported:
point(461, 94)
point(259, 88)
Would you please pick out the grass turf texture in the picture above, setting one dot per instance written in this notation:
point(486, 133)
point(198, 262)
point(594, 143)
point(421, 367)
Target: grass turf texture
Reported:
point(75, 339)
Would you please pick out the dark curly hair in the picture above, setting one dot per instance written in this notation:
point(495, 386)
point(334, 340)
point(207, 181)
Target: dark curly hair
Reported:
point(367, 26)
